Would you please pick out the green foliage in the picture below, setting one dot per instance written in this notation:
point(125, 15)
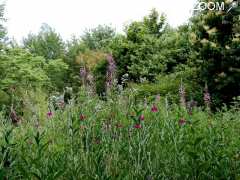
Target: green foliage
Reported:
point(216, 44)
point(35, 105)
point(139, 60)
point(57, 72)
point(4, 99)
point(2, 28)
point(142, 49)
point(150, 47)
point(19, 68)
point(175, 48)
point(154, 23)
point(46, 43)
point(100, 77)
point(99, 139)
point(74, 48)
point(21, 71)
point(168, 86)
point(77, 135)
point(99, 37)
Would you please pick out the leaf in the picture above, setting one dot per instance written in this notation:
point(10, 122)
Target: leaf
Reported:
point(193, 154)
point(198, 140)
point(36, 175)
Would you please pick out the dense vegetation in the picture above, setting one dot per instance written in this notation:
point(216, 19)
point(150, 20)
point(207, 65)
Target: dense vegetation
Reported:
point(155, 102)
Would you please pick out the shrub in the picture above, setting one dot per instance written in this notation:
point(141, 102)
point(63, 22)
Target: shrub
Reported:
point(57, 72)
point(168, 86)
point(100, 77)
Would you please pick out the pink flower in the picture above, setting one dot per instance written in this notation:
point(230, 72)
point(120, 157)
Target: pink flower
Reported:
point(82, 117)
point(154, 108)
point(137, 126)
point(207, 97)
point(49, 114)
point(141, 118)
point(111, 71)
point(182, 122)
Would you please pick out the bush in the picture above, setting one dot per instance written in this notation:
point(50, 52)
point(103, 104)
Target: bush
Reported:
point(216, 45)
point(100, 77)
point(57, 72)
point(168, 86)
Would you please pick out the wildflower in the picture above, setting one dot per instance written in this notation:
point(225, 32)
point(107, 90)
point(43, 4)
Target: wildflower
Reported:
point(182, 122)
point(141, 118)
point(182, 94)
point(49, 114)
point(137, 126)
point(190, 106)
point(83, 73)
point(14, 117)
point(207, 97)
point(154, 108)
point(90, 84)
point(82, 117)
point(111, 71)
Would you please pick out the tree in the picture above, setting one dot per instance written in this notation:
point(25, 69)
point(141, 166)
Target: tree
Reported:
point(20, 69)
point(57, 72)
point(2, 28)
point(99, 37)
point(46, 43)
point(175, 47)
point(216, 41)
point(74, 48)
point(138, 53)
point(154, 23)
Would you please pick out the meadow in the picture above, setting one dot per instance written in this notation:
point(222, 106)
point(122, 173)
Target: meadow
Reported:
point(152, 102)
point(122, 138)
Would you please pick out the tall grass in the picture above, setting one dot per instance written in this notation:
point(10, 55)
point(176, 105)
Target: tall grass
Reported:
point(95, 139)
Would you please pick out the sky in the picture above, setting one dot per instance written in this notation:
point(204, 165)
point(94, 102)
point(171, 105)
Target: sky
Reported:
point(72, 17)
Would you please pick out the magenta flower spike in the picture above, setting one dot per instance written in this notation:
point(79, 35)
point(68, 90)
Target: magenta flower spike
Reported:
point(49, 114)
point(154, 108)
